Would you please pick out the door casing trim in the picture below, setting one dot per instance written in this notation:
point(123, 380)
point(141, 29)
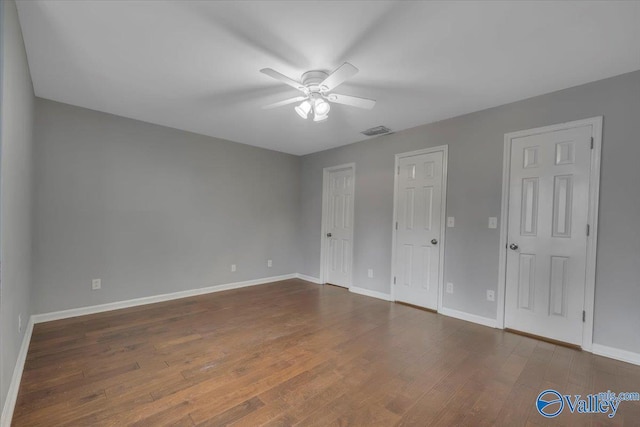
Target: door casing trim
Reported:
point(592, 219)
point(325, 207)
point(443, 219)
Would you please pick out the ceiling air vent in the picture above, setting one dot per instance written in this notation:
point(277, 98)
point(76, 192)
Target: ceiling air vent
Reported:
point(378, 130)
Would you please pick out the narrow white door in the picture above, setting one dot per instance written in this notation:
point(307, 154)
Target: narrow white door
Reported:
point(339, 186)
point(418, 235)
point(547, 233)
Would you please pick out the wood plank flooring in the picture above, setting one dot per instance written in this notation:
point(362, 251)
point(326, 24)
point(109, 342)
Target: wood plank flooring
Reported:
point(294, 353)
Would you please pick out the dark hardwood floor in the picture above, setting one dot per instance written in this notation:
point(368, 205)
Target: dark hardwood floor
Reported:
point(294, 353)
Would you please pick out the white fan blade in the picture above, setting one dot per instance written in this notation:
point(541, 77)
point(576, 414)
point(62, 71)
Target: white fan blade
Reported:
point(285, 102)
point(353, 101)
point(338, 77)
point(284, 79)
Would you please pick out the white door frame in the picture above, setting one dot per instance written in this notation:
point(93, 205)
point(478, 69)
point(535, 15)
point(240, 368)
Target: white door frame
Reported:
point(443, 219)
point(325, 218)
point(592, 219)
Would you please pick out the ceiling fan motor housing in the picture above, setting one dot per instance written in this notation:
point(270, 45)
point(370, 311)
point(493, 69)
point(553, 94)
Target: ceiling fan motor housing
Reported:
point(312, 80)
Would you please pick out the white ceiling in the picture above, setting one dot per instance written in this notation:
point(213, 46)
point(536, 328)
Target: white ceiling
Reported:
point(194, 65)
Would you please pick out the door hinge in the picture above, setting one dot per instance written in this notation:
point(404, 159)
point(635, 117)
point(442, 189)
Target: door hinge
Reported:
point(394, 280)
point(588, 229)
point(592, 143)
point(396, 225)
point(398, 170)
point(584, 316)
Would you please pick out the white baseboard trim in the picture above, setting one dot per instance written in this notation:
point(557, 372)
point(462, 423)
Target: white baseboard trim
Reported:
point(370, 293)
point(14, 386)
point(74, 312)
point(616, 353)
point(481, 320)
point(309, 278)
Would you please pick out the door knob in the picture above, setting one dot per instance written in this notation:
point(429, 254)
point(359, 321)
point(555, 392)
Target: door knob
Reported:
point(328, 234)
point(513, 246)
point(434, 241)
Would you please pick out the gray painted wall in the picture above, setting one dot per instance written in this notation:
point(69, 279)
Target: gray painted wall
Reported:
point(16, 191)
point(152, 210)
point(474, 194)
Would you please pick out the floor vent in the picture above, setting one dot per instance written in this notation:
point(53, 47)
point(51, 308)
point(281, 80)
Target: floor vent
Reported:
point(378, 130)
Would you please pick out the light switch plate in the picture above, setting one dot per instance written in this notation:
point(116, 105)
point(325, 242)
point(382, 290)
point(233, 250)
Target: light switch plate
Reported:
point(451, 222)
point(493, 222)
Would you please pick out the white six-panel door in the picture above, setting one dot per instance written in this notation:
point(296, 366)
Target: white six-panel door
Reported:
point(547, 233)
point(339, 188)
point(419, 198)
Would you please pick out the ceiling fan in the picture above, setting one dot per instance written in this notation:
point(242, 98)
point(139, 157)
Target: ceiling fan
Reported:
point(316, 87)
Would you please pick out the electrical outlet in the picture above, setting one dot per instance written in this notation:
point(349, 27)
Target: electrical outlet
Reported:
point(493, 222)
point(491, 295)
point(449, 287)
point(370, 273)
point(20, 323)
point(269, 263)
point(96, 284)
point(451, 222)
point(233, 268)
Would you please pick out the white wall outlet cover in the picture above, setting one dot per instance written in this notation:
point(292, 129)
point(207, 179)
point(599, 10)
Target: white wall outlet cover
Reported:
point(233, 267)
point(370, 273)
point(269, 263)
point(451, 222)
point(491, 295)
point(96, 284)
point(493, 222)
point(449, 288)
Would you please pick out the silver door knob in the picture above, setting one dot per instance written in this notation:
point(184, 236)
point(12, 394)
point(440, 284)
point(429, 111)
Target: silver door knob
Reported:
point(434, 241)
point(513, 246)
point(328, 234)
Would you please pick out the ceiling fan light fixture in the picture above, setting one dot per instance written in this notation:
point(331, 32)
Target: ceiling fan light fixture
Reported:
point(321, 107)
point(303, 109)
point(320, 118)
point(316, 86)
